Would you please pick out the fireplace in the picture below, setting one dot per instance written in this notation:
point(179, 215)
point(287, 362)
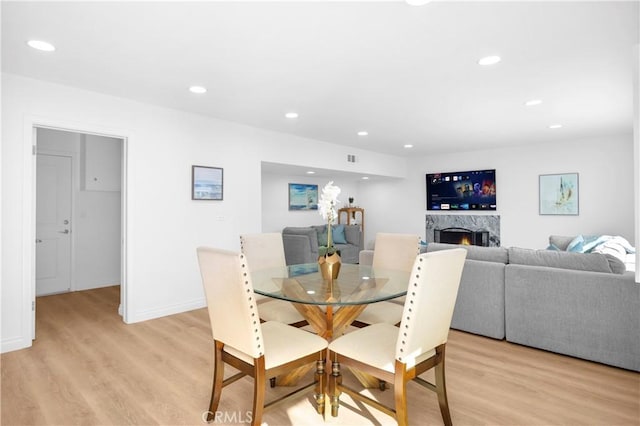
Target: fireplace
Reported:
point(461, 236)
point(488, 223)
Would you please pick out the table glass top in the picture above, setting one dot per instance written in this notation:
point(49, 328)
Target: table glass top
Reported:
point(355, 285)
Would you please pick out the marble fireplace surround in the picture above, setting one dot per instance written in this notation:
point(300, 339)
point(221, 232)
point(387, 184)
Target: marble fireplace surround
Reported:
point(473, 222)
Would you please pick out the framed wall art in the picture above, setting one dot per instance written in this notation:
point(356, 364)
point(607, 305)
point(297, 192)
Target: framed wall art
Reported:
point(206, 183)
point(303, 196)
point(559, 194)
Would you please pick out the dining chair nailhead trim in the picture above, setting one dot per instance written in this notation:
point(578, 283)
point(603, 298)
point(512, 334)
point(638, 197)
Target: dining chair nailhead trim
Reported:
point(410, 311)
point(252, 306)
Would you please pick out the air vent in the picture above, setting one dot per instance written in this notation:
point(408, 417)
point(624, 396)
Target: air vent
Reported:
point(351, 158)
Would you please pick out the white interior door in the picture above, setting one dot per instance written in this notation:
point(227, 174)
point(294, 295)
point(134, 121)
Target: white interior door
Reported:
point(53, 224)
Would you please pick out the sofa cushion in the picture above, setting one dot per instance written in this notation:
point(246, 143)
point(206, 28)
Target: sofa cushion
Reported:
point(479, 306)
point(617, 266)
point(559, 241)
point(594, 262)
point(306, 231)
point(323, 236)
point(337, 234)
point(576, 245)
point(349, 253)
point(352, 234)
point(487, 254)
point(583, 314)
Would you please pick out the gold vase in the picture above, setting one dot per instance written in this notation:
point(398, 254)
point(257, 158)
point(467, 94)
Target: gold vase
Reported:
point(329, 266)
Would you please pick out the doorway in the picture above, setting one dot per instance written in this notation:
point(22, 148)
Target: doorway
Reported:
point(79, 211)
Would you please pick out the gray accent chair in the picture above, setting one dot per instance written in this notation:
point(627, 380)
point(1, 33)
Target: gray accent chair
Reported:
point(301, 244)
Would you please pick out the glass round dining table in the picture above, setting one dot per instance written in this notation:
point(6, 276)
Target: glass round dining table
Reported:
point(330, 305)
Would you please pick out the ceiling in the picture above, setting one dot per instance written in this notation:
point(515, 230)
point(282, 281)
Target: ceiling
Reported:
point(404, 74)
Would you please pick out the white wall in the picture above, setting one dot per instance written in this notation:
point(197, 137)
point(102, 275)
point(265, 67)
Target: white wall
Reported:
point(95, 221)
point(605, 166)
point(275, 201)
point(636, 144)
point(98, 216)
point(164, 226)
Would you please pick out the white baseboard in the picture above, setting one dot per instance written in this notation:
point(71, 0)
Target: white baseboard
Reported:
point(15, 343)
point(164, 311)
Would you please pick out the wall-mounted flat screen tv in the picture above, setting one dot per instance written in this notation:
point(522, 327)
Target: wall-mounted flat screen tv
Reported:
point(473, 190)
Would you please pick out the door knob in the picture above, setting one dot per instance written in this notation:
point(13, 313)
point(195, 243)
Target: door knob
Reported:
point(66, 231)
point(38, 241)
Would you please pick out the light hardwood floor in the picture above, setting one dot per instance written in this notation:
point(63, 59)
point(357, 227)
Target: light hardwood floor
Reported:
point(87, 367)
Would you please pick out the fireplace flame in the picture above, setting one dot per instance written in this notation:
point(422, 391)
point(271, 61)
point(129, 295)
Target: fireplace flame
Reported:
point(465, 241)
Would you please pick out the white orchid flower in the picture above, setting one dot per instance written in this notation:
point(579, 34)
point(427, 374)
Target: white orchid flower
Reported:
point(328, 202)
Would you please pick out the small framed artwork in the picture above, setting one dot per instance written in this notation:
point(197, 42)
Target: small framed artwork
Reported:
point(303, 196)
point(206, 183)
point(559, 194)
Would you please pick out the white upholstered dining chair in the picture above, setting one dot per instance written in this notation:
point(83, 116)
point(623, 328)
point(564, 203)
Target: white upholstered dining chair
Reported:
point(266, 251)
point(259, 350)
point(396, 252)
point(399, 354)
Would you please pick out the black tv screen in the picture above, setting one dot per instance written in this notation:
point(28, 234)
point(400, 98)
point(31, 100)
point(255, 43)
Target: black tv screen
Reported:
point(473, 190)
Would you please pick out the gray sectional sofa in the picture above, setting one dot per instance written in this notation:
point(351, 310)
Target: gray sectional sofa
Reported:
point(301, 244)
point(570, 303)
point(480, 304)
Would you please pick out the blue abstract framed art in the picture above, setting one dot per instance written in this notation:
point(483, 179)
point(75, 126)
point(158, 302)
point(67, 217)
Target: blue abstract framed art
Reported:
point(559, 194)
point(303, 196)
point(206, 183)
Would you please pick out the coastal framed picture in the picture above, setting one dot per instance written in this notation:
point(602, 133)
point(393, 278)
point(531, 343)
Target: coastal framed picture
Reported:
point(303, 196)
point(559, 194)
point(206, 183)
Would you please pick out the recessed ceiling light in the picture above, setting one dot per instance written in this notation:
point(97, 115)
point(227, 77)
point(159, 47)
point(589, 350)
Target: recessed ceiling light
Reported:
point(365, 177)
point(555, 126)
point(198, 89)
point(489, 60)
point(363, 133)
point(41, 45)
point(291, 115)
point(311, 172)
point(533, 102)
point(408, 145)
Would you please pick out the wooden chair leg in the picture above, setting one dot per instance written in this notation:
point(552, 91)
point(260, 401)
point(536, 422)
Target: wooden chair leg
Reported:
point(441, 390)
point(259, 384)
point(321, 378)
point(218, 376)
point(334, 392)
point(400, 395)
